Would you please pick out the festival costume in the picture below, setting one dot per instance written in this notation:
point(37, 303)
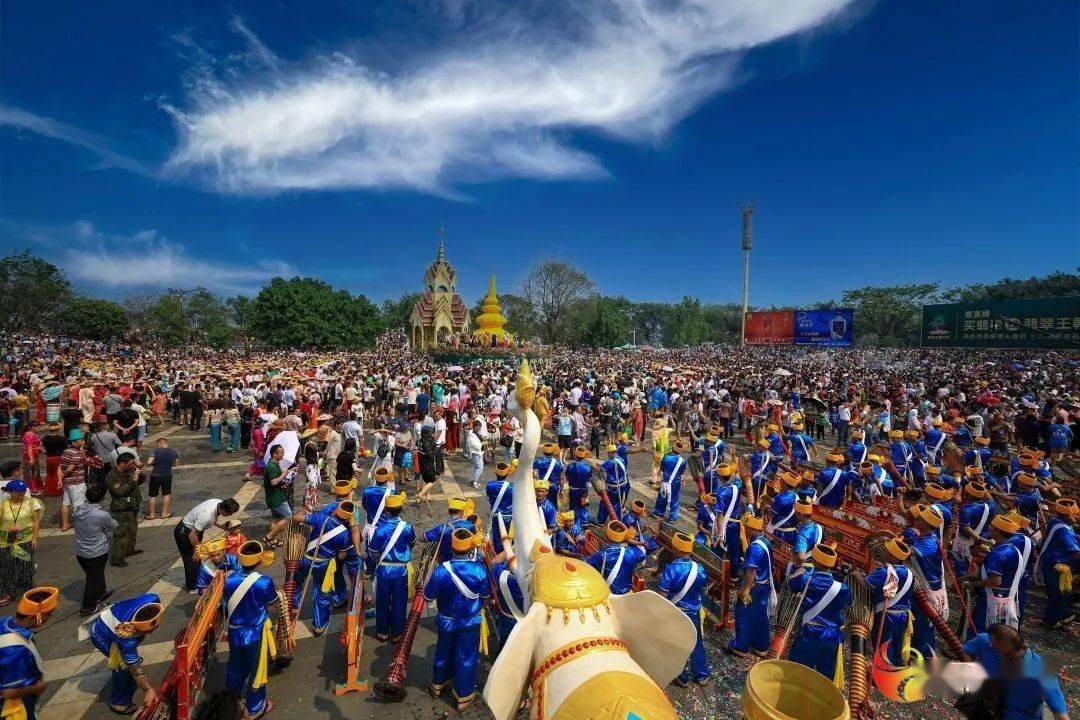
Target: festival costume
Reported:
point(20, 666)
point(328, 538)
point(672, 468)
point(1056, 553)
point(459, 587)
point(389, 553)
point(509, 599)
point(618, 487)
point(251, 637)
point(821, 619)
point(119, 642)
point(578, 474)
point(752, 627)
point(891, 614)
point(617, 563)
point(683, 581)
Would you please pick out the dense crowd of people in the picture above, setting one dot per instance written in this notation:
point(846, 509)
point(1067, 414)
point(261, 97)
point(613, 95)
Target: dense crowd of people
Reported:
point(969, 444)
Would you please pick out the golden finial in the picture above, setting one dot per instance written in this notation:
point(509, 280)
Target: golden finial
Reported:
point(525, 387)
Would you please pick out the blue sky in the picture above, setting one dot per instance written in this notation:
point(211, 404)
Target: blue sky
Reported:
point(146, 145)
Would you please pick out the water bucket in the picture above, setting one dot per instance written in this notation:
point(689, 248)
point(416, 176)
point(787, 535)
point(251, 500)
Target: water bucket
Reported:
point(783, 690)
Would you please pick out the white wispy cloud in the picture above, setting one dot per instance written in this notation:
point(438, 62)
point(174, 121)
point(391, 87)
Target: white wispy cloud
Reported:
point(144, 258)
point(502, 99)
point(56, 130)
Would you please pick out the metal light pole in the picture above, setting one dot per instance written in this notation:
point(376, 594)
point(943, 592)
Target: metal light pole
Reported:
point(634, 334)
point(747, 242)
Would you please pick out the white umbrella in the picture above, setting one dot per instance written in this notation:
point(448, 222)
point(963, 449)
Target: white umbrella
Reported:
point(782, 371)
point(667, 368)
point(454, 368)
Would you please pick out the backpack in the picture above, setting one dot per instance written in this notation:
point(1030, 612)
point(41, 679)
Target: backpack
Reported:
point(382, 448)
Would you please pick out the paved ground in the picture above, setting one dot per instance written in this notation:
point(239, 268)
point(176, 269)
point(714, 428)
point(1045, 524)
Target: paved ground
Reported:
point(77, 676)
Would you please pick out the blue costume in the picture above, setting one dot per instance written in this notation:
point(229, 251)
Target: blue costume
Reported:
point(445, 530)
point(546, 510)
point(1026, 546)
point(752, 626)
point(617, 563)
point(247, 593)
point(630, 520)
point(893, 612)
point(783, 516)
point(776, 444)
point(682, 582)
point(729, 505)
point(709, 460)
point(1035, 683)
point(459, 588)
point(962, 436)
point(972, 456)
point(858, 454)
point(389, 563)
point(882, 480)
point(373, 502)
point(207, 569)
point(321, 560)
point(705, 520)
point(352, 557)
point(927, 551)
point(18, 665)
point(822, 618)
point(832, 486)
point(667, 500)
point(800, 447)
point(500, 495)
point(1027, 504)
point(935, 441)
point(918, 462)
point(578, 474)
point(122, 652)
point(510, 601)
point(762, 465)
point(900, 453)
point(1059, 546)
point(618, 487)
point(972, 516)
point(565, 541)
point(807, 535)
point(1004, 561)
point(550, 469)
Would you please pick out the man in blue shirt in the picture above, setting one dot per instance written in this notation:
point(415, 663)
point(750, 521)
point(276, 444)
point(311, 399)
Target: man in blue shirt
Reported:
point(618, 561)
point(762, 466)
point(821, 613)
point(388, 554)
point(117, 633)
point(633, 519)
point(500, 495)
point(372, 499)
point(1027, 682)
point(857, 452)
point(617, 484)
point(802, 447)
point(924, 539)
point(756, 592)
point(213, 558)
point(578, 476)
point(672, 468)
point(1059, 550)
point(890, 588)
point(456, 507)
point(729, 508)
point(544, 507)
point(329, 542)
point(682, 582)
point(508, 597)
point(997, 587)
point(899, 451)
point(833, 482)
point(549, 467)
point(567, 538)
point(250, 597)
point(807, 535)
point(782, 518)
point(458, 587)
point(973, 524)
point(919, 457)
point(22, 671)
point(935, 442)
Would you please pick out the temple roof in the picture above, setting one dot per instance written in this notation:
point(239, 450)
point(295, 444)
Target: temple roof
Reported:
point(426, 308)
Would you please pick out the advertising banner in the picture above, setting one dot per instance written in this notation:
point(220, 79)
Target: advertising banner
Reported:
point(1051, 323)
point(824, 327)
point(770, 328)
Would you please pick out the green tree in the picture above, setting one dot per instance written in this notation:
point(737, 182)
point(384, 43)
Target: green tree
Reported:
point(31, 291)
point(305, 312)
point(398, 313)
point(724, 322)
point(648, 322)
point(553, 287)
point(601, 322)
point(1058, 284)
point(166, 321)
point(889, 315)
point(90, 318)
point(687, 324)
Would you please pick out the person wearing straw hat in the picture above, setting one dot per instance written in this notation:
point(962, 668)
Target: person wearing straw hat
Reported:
point(618, 560)
point(1027, 499)
point(802, 447)
point(782, 520)
point(919, 457)
point(821, 613)
point(634, 520)
point(974, 524)
point(330, 542)
point(251, 599)
point(549, 467)
point(762, 466)
point(857, 451)
point(924, 538)
point(617, 483)
point(578, 476)
point(834, 484)
point(388, 554)
point(22, 671)
point(999, 578)
point(1057, 553)
point(458, 509)
point(567, 538)
point(878, 480)
point(808, 534)
point(890, 585)
point(899, 452)
point(212, 557)
point(1026, 544)
point(705, 519)
point(979, 454)
point(710, 460)
point(672, 468)
point(729, 508)
point(458, 587)
point(544, 506)
point(500, 496)
point(756, 595)
point(117, 633)
point(682, 582)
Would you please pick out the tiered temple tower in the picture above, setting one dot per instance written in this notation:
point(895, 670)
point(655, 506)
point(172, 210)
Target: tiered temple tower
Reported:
point(440, 311)
point(491, 323)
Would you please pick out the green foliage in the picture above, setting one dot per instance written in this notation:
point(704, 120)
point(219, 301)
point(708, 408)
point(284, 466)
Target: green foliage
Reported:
point(90, 318)
point(890, 315)
point(177, 317)
point(686, 324)
point(1059, 284)
point(398, 313)
point(724, 322)
point(31, 292)
point(305, 313)
point(601, 321)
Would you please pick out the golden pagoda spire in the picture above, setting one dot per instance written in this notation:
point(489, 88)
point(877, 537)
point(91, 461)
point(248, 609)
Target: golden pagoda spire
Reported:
point(491, 323)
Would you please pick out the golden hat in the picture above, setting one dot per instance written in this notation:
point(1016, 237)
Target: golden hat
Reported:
point(1065, 506)
point(804, 508)
point(937, 422)
point(678, 446)
point(581, 451)
point(976, 490)
point(462, 540)
point(875, 459)
point(1019, 520)
point(773, 427)
point(549, 448)
point(1027, 479)
point(308, 433)
point(982, 440)
point(457, 503)
point(612, 448)
point(938, 492)
point(916, 509)
point(789, 478)
point(623, 437)
point(711, 436)
point(824, 555)
point(396, 500)
point(250, 553)
point(707, 498)
point(502, 470)
point(615, 531)
point(897, 548)
point(835, 456)
point(753, 522)
point(726, 470)
point(912, 434)
point(682, 542)
point(932, 516)
point(514, 463)
point(209, 548)
point(896, 434)
point(763, 444)
point(345, 510)
point(638, 507)
point(342, 488)
point(773, 485)
point(1027, 461)
point(933, 470)
point(147, 618)
point(382, 474)
point(541, 484)
point(714, 430)
point(1003, 524)
point(566, 517)
point(38, 601)
point(797, 426)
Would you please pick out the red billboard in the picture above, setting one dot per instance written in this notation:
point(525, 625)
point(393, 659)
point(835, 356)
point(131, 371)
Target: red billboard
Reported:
point(770, 328)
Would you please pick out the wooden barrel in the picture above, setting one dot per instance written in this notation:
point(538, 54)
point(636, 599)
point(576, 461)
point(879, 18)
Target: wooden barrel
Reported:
point(783, 690)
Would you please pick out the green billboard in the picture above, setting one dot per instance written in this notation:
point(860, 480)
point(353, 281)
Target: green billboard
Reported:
point(1051, 323)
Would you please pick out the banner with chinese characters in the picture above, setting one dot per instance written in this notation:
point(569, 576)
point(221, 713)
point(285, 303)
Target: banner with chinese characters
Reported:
point(771, 327)
point(1052, 323)
point(824, 327)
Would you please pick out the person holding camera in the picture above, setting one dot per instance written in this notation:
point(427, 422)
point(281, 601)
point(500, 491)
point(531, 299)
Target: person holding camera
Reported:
point(124, 482)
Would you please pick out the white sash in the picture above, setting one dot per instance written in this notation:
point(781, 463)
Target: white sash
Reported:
point(314, 544)
point(1025, 555)
point(727, 516)
point(209, 566)
point(620, 478)
point(1049, 536)
point(714, 461)
point(771, 527)
point(610, 577)
point(829, 487)
point(461, 586)
point(543, 518)
point(810, 615)
point(937, 447)
point(666, 485)
point(500, 496)
point(14, 639)
point(1005, 609)
point(885, 605)
point(689, 583)
point(764, 465)
point(240, 592)
point(504, 587)
point(962, 545)
point(379, 510)
point(806, 453)
point(398, 529)
point(862, 458)
point(550, 469)
point(774, 601)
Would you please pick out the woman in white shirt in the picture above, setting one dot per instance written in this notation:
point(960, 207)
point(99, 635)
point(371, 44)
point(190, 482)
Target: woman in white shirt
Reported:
point(474, 450)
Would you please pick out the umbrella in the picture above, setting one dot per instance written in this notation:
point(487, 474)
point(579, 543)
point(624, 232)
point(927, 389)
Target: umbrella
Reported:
point(782, 372)
point(667, 368)
point(814, 403)
point(454, 368)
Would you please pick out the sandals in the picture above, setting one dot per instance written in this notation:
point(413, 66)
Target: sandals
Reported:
point(151, 517)
point(166, 516)
point(267, 709)
point(268, 542)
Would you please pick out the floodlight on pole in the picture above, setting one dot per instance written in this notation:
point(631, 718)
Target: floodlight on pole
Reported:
point(747, 243)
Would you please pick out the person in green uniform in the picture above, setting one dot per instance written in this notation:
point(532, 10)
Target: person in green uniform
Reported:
point(123, 482)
